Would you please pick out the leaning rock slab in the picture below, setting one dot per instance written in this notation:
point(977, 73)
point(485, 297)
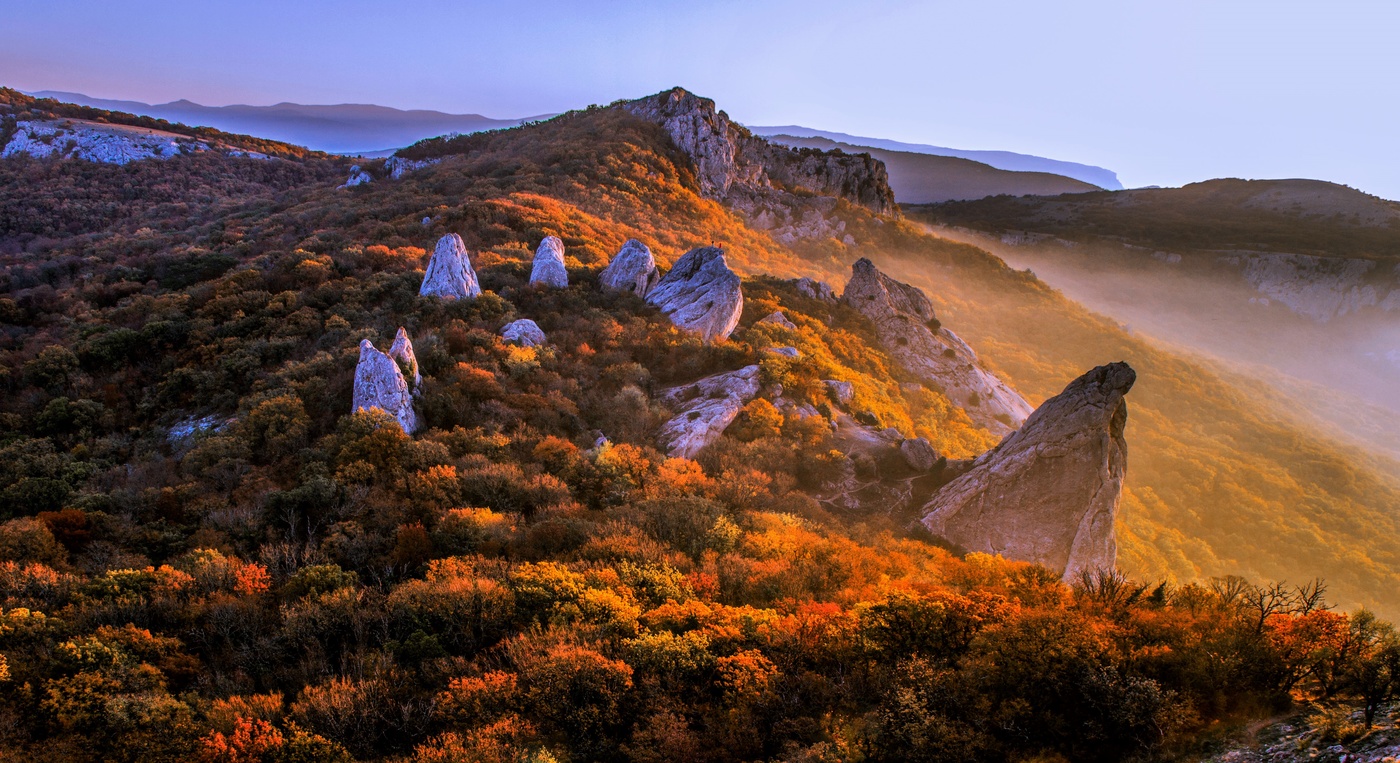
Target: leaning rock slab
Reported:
point(380, 384)
point(450, 274)
point(1048, 493)
point(632, 269)
point(549, 264)
point(705, 409)
point(701, 294)
point(907, 329)
point(524, 332)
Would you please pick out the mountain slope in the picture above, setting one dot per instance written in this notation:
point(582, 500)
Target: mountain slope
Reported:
point(927, 178)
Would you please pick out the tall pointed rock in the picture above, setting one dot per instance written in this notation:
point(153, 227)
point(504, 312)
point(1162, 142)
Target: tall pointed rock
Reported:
point(549, 264)
point(450, 274)
point(1048, 493)
point(379, 383)
point(402, 351)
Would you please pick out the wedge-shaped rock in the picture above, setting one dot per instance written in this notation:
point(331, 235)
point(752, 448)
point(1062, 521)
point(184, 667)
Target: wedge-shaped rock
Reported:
point(549, 264)
point(632, 269)
point(780, 319)
point(402, 351)
point(701, 294)
point(524, 332)
point(907, 329)
point(379, 383)
point(1049, 492)
point(450, 273)
point(705, 409)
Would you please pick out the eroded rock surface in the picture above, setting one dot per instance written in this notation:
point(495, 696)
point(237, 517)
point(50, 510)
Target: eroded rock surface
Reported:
point(780, 319)
point(397, 166)
point(813, 289)
point(357, 177)
point(906, 327)
point(704, 409)
point(701, 294)
point(450, 274)
point(632, 269)
point(402, 351)
point(524, 332)
point(379, 383)
point(549, 267)
point(1048, 493)
point(97, 142)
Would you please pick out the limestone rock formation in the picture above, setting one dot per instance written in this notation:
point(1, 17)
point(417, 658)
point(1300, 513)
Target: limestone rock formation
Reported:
point(632, 269)
point(906, 328)
point(780, 319)
point(549, 264)
point(357, 177)
point(701, 294)
point(402, 351)
point(98, 142)
point(397, 166)
point(380, 384)
point(1048, 493)
point(524, 332)
point(813, 289)
point(450, 273)
point(704, 409)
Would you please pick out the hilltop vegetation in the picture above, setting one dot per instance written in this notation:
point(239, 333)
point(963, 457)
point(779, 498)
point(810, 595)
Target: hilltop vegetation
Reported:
point(205, 555)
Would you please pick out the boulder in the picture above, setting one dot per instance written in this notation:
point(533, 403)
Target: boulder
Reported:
point(841, 390)
point(450, 274)
point(787, 352)
point(357, 177)
point(402, 351)
point(780, 319)
point(919, 454)
point(701, 294)
point(1049, 492)
point(549, 264)
point(906, 327)
point(380, 384)
point(632, 269)
point(524, 332)
point(704, 409)
point(813, 289)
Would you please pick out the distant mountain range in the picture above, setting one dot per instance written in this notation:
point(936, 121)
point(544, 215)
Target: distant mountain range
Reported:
point(1002, 160)
point(369, 130)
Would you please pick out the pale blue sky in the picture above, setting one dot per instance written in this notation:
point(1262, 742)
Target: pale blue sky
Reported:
point(1161, 92)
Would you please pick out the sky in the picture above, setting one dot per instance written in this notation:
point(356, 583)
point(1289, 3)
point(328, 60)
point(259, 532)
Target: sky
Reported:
point(1163, 93)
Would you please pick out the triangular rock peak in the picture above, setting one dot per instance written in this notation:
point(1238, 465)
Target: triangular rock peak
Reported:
point(906, 328)
point(701, 294)
point(549, 267)
point(402, 351)
point(632, 269)
point(380, 384)
point(1048, 493)
point(450, 274)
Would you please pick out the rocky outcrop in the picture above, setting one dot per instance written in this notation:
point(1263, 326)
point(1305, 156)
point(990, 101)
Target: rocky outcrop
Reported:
point(843, 391)
point(402, 352)
point(1322, 288)
point(97, 142)
point(918, 453)
point(523, 332)
point(357, 177)
point(1048, 493)
point(701, 294)
point(450, 274)
point(396, 166)
point(907, 329)
point(380, 383)
point(779, 319)
point(704, 409)
point(632, 269)
point(760, 178)
point(549, 267)
point(813, 289)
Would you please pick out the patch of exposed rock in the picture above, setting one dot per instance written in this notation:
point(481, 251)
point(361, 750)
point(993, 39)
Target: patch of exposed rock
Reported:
point(906, 328)
point(813, 289)
point(877, 474)
point(701, 294)
point(450, 274)
point(1322, 288)
point(549, 267)
point(357, 177)
point(632, 269)
point(780, 319)
point(397, 166)
point(704, 409)
point(380, 383)
point(843, 391)
point(96, 142)
point(523, 332)
point(402, 351)
point(1049, 492)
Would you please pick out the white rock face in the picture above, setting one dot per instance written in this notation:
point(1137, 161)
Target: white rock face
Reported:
point(705, 409)
point(549, 264)
point(1321, 288)
point(1048, 493)
point(701, 294)
point(402, 351)
point(397, 167)
point(632, 269)
point(96, 142)
point(357, 177)
point(524, 332)
point(813, 289)
point(450, 274)
point(380, 384)
point(780, 319)
point(906, 328)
